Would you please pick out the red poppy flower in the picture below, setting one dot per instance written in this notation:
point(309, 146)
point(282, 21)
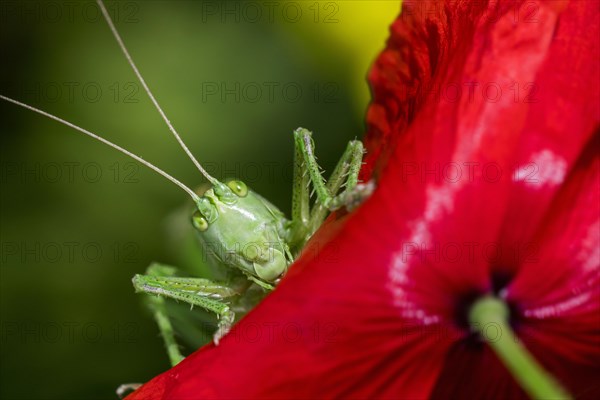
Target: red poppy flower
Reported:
point(483, 139)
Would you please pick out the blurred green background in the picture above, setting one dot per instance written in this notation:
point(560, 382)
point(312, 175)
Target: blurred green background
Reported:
point(78, 219)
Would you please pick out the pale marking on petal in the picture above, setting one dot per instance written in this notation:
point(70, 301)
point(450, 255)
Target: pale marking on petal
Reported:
point(557, 309)
point(589, 252)
point(585, 270)
point(544, 168)
point(439, 202)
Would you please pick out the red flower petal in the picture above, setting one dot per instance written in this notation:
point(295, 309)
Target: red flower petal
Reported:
point(559, 290)
point(563, 115)
point(556, 288)
point(379, 312)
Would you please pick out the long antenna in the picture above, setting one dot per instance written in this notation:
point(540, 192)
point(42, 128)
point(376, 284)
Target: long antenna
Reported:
point(147, 89)
point(111, 144)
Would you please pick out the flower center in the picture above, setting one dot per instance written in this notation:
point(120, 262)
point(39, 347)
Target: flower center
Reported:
point(463, 308)
point(492, 313)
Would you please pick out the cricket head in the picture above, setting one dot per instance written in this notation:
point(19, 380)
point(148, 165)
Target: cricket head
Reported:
point(242, 230)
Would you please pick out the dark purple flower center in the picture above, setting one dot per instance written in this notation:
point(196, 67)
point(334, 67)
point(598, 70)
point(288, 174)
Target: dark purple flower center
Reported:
point(465, 302)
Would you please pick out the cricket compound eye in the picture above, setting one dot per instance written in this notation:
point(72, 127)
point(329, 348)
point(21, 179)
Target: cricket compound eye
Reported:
point(199, 221)
point(238, 187)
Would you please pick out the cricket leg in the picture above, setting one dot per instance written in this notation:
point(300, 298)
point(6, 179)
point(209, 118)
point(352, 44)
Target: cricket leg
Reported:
point(159, 283)
point(345, 175)
point(157, 306)
point(300, 200)
point(125, 388)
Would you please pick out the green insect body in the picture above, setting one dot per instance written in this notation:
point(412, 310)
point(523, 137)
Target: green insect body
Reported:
point(246, 233)
point(240, 230)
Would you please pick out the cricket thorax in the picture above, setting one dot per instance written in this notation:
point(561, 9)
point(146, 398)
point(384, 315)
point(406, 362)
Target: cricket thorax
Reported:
point(241, 229)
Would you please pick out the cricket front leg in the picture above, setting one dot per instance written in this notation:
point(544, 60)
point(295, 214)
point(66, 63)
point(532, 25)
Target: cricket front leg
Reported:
point(157, 306)
point(299, 226)
point(345, 175)
point(160, 283)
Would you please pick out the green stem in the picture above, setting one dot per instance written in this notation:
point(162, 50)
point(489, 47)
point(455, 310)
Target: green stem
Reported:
point(490, 312)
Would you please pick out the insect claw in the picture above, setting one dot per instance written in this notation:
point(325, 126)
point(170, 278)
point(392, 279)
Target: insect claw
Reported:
point(127, 387)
